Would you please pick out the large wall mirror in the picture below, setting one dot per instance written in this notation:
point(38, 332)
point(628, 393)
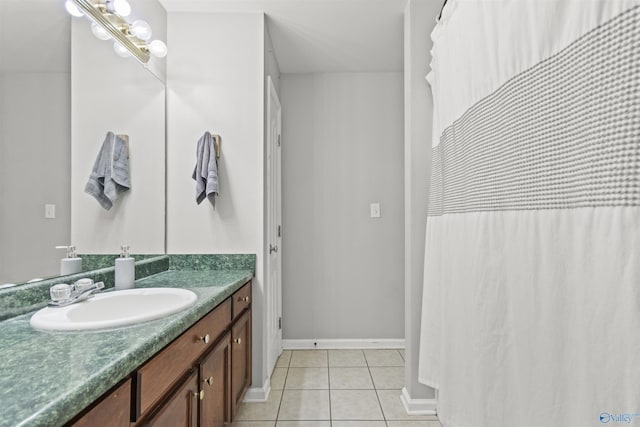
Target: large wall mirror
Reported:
point(61, 91)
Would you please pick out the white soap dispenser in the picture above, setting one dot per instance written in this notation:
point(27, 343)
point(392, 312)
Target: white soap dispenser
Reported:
point(125, 269)
point(72, 264)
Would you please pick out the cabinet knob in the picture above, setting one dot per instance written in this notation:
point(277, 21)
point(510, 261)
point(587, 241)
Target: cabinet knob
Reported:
point(238, 341)
point(208, 380)
point(205, 339)
point(245, 299)
point(199, 395)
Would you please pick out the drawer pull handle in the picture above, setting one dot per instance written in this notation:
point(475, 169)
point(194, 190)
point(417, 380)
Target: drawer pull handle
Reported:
point(209, 380)
point(204, 339)
point(199, 395)
point(238, 340)
point(245, 299)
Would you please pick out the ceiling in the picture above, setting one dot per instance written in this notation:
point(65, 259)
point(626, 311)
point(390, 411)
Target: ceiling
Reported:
point(324, 35)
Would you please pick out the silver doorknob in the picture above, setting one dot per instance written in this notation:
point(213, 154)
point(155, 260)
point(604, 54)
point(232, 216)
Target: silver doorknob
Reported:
point(273, 249)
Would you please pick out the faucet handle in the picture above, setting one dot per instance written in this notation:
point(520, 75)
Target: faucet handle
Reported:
point(60, 292)
point(82, 284)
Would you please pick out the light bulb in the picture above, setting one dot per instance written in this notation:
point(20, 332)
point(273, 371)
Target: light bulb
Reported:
point(99, 32)
point(141, 29)
point(158, 49)
point(122, 7)
point(120, 50)
point(73, 9)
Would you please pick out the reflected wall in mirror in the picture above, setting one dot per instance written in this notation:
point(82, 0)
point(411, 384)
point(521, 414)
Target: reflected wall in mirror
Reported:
point(61, 90)
point(35, 98)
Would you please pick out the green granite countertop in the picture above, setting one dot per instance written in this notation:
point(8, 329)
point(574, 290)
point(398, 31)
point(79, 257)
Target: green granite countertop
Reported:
point(46, 378)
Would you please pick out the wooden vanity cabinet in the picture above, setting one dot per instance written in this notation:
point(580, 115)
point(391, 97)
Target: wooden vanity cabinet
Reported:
point(198, 379)
point(161, 372)
point(112, 410)
point(218, 350)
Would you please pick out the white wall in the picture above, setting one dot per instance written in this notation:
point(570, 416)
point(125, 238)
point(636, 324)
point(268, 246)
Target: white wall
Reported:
point(342, 150)
point(110, 93)
point(215, 84)
point(215, 75)
point(417, 163)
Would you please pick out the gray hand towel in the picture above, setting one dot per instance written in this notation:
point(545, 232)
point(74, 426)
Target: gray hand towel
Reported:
point(206, 171)
point(110, 174)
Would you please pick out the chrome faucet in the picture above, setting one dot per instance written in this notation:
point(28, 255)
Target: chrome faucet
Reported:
point(63, 294)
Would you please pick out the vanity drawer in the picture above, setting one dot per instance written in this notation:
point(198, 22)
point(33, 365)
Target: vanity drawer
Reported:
point(156, 376)
point(241, 300)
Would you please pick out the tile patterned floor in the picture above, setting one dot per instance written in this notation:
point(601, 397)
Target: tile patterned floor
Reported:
point(334, 388)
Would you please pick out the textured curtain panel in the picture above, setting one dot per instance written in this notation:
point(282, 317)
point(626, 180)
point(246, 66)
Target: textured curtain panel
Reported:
point(531, 311)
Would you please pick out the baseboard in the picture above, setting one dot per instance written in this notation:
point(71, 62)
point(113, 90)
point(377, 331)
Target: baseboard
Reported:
point(258, 394)
point(340, 344)
point(417, 406)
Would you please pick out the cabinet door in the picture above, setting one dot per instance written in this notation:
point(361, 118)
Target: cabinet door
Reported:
point(114, 410)
point(180, 409)
point(240, 360)
point(215, 372)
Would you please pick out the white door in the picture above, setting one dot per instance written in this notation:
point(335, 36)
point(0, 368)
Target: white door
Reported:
point(274, 234)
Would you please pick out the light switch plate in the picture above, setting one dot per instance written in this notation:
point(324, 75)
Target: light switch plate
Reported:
point(375, 210)
point(49, 211)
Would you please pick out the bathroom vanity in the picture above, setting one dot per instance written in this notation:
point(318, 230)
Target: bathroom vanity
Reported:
point(198, 379)
point(189, 368)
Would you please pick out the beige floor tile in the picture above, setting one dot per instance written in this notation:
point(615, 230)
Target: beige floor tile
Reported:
point(388, 377)
point(307, 378)
point(346, 358)
point(355, 405)
point(350, 378)
point(394, 409)
point(303, 424)
point(260, 411)
point(309, 359)
point(253, 424)
point(358, 424)
point(304, 405)
point(283, 360)
point(414, 424)
point(383, 358)
point(277, 378)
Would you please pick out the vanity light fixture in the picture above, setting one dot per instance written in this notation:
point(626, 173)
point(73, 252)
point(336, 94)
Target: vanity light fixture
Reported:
point(108, 22)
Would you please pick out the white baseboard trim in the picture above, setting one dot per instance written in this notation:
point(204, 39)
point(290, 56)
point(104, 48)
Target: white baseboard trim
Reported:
point(258, 394)
point(340, 344)
point(417, 406)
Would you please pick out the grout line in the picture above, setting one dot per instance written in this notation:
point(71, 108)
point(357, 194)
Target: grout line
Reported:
point(375, 389)
point(286, 375)
point(329, 391)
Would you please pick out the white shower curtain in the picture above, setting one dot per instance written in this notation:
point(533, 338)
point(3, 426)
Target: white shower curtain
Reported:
point(531, 303)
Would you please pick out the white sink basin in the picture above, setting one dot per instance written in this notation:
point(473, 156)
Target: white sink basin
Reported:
point(112, 309)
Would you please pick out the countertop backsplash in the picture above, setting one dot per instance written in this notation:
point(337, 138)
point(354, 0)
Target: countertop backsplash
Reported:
point(22, 299)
